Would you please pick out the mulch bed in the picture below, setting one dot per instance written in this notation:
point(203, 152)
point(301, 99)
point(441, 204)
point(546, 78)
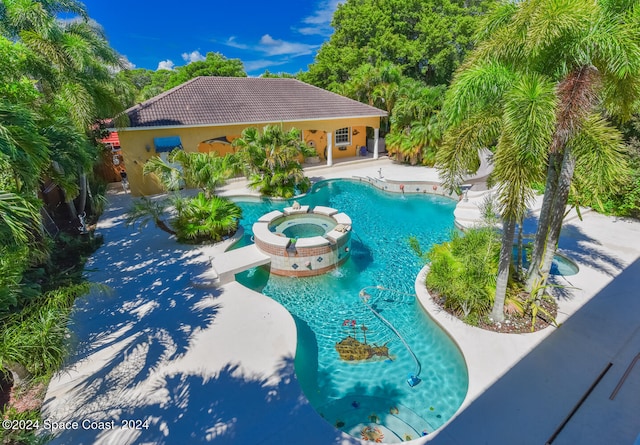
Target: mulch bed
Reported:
point(513, 323)
point(30, 397)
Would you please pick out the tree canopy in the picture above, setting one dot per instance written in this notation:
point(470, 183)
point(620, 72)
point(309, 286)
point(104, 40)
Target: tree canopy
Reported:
point(427, 39)
point(148, 83)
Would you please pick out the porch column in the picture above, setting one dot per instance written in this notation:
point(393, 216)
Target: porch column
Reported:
point(376, 135)
point(329, 149)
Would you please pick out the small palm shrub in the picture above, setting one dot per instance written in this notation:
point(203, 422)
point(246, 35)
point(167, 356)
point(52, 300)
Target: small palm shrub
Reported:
point(463, 272)
point(206, 219)
point(146, 210)
point(270, 160)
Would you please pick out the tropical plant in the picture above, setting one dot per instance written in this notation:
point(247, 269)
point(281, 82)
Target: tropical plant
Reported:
point(486, 103)
point(463, 272)
point(205, 219)
point(205, 171)
point(74, 67)
point(416, 131)
point(527, 91)
point(146, 210)
point(594, 68)
point(57, 78)
point(34, 340)
point(22, 147)
point(19, 219)
point(270, 160)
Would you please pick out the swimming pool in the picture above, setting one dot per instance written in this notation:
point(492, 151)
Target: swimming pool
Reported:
point(370, 396)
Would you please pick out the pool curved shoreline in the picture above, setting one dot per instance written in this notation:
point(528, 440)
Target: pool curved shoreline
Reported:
point(434, 233)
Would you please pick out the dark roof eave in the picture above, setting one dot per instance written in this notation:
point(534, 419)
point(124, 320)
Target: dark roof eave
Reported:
point(224, 124)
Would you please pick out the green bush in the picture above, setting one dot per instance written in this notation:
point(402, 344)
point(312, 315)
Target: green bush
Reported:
point(20, 436)
point(205, 219)
point(36, 337)
point(463, 272)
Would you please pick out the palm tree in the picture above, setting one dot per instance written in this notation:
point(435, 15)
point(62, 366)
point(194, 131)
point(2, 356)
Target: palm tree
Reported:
point(204, 218)
point(489, 103)
point(551, 39)
point(22, 145)
point(271, 160)
point(146, 210)
point(74, 67)
point(415, 127)
point(19, 219)
point(592, 50)
point(206, 171)
point(170, 176)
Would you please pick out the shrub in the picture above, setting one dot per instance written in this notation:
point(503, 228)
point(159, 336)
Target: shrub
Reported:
point(206, 219)
point(463, 271)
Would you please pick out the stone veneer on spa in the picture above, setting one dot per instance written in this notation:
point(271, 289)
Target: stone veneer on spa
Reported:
point(306, 255)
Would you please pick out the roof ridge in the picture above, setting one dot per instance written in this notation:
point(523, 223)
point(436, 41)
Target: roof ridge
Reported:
point(162, 95)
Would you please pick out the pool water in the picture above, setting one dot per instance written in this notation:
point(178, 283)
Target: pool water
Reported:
point(560, 264)
point(303, 231)
point(374, 394)
point(303, 225)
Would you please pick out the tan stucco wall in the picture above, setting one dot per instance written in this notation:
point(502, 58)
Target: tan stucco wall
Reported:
point(137, 144)
point(319, 138)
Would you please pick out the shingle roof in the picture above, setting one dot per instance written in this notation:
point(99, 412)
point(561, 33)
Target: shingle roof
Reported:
point(229, 100)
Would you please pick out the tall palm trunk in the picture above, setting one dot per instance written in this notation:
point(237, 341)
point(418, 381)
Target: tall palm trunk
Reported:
point(520, 247)
point(539, 243)
point(557, 213)
point(506, 252)
point(577, 98)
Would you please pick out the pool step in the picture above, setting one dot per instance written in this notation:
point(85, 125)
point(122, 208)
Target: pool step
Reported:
point(398, 423)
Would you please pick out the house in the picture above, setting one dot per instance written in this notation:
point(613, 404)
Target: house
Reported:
point(207, 113)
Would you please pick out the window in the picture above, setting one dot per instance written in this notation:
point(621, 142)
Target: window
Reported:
point(343, 136)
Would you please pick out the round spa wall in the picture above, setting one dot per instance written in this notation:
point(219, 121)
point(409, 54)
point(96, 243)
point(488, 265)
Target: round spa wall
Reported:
point(303, 242)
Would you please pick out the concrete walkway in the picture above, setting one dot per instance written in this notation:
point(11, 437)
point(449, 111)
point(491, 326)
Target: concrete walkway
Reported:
point(202, 365)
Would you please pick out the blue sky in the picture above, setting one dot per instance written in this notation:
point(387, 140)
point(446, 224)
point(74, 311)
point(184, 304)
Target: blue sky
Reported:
point(279, 35)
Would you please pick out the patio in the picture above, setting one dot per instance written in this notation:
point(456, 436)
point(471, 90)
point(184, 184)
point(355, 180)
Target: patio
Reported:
point(216, 365)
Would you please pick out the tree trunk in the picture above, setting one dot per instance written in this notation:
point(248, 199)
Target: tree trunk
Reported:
point(557, 213)
point(82, 196)
point(164, 227)
point(506, 252)
point(539, 243)
point(520, 247)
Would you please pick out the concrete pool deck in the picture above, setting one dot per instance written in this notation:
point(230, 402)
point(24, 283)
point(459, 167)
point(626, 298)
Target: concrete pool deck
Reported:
point(216, 365)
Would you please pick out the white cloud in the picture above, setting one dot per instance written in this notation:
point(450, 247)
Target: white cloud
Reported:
point(276, 47)
point(319, 23)
point(193, 56)
point(273, 47)
point(255, 65)
point(233, 43)
point(165, 65)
